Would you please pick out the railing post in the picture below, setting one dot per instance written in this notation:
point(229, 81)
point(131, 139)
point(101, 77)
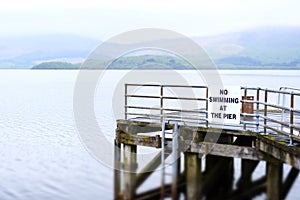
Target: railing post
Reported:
point(283, 105)
point(265, 111)
point(125, 106)
point(243, 106)
point(206, 107)
point(161, 102)
point(291, 119)
point(257, 110)
point(162, 188)
point(175, 155)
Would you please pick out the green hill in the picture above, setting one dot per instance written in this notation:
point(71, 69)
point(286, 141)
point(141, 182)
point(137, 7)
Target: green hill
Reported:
point(56, 65)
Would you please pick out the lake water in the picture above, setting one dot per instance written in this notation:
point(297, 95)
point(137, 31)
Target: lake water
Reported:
point(41, 154)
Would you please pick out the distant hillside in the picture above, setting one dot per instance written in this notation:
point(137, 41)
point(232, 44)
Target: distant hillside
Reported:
point(130, 62)
point(260, 48)
point(156, 62)
point(56, 65)
point(278, 46)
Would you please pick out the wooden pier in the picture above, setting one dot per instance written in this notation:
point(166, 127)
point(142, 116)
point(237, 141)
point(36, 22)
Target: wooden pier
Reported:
point(202, 154)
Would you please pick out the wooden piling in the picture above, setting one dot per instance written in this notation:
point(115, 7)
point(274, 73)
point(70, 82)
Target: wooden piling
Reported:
point(274, 180)
point(219, 173)
point(130, 166)
point(193, 176)
point(218, 176)
point(247, 169)
point(117, 173)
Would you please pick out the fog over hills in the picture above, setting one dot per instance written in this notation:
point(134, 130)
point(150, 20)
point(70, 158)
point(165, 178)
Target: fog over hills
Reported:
point(31, 50)
point(268, 46)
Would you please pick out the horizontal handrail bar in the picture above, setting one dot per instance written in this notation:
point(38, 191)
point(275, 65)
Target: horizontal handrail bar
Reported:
point(142, 107)
point(275, 121)
point(142, 96)
point(249, 88)
point(249, 115)
point(270, 90)
point(167, 109)
point(186, 98)
point(277, 130)
point(182, 110)
point(289, 88)
point(280, 92)
point(167, 97)
point(179, 117)
point(167, 117)
point(157, 85)
point(248, 122)
point(142, 114)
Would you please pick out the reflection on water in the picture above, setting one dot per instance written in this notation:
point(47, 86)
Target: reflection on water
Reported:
point(41, 154)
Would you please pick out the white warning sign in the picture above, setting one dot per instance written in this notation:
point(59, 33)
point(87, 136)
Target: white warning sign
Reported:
point(224, 105)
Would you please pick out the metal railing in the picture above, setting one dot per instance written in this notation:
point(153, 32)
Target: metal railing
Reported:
point(270, 123)
point(195, 114)
point(267, 115)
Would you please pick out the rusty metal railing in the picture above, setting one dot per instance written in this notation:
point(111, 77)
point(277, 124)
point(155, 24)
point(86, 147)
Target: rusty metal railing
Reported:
point(195, 113)
point(264, 108)
point(266, 117)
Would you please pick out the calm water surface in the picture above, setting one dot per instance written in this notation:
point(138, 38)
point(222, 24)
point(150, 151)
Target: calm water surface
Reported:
point(41, 154)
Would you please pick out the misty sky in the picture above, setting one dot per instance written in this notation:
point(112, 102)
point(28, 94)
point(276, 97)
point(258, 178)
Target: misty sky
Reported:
point(103, 19)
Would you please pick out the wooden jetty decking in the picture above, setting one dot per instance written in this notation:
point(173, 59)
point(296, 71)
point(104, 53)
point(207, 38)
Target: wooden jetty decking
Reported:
point(202, 154)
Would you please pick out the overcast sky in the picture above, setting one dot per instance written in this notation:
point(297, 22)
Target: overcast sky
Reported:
point(103, 19)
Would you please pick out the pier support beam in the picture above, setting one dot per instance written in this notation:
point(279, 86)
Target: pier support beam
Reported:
point(193, 176)
point(274, 180)
point(117, 172)
point(130, 166)
point(247, 169)
point(218, 176)
point(219, 173)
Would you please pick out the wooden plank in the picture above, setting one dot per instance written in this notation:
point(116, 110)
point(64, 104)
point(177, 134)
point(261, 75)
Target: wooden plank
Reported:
point(141, 140)
point(227, 131)
point(280, 151)
point(225, 150)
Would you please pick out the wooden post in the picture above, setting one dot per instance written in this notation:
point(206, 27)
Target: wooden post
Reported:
point(193, 176)
point(130, 166)
point(247, 169)
point(175, 162)
point(219, 173)
point(117, 173)
point(274, 180)
point(265, 111)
